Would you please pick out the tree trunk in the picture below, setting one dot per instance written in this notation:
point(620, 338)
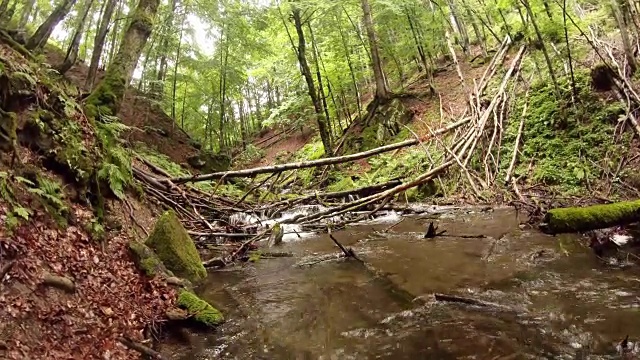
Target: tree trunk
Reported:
point(175, 70)
point(98, 43)
point(624, 35)
point(108, 94)
point(41, 36)
point(321, 93)
point(552, 72)
point(382, 90)
point(306, 73)
point(224, 57)
point(164, 49)
point(115, 30)
point(460, 26)
point(26, 12)
point(72, 52)
point(354, 82)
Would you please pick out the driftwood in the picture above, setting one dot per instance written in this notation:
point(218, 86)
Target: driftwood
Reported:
point(141, 348)
point(580, 219)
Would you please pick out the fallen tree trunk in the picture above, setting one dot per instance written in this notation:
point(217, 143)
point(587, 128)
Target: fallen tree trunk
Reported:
point(579, 219)
point(313, 163)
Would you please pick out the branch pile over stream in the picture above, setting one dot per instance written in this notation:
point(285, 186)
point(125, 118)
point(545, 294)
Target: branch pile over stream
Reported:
point(476, 133)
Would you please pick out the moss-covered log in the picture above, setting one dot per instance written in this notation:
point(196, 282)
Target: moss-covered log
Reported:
point(578, 219)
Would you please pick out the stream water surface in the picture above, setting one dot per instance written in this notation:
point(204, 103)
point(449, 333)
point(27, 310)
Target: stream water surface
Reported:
point(558, 301)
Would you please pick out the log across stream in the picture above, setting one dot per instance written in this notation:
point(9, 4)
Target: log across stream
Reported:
point(534, 296)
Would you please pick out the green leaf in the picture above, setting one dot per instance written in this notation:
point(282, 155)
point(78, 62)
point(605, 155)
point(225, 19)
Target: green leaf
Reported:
point(22, 212)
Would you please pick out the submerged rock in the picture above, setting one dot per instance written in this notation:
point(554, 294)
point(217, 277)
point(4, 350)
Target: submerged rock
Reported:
point(201, 310)
point(176, 249)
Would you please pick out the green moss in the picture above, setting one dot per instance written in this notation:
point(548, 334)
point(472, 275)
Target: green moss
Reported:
point(176, 249)
point(578, 219)
point(146, 260)
point(201, 310)
point(560, 138)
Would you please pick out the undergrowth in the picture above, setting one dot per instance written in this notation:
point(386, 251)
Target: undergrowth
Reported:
point(564, 145)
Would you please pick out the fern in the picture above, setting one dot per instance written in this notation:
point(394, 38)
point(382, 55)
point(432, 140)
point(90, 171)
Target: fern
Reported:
point(115, 178)
point(116, 167)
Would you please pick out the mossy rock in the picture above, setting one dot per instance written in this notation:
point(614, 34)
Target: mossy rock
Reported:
point(176, 249)
point(201, 310)
point(146, 260)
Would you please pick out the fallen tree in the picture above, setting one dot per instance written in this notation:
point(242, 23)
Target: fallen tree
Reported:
point(314, 163)
point(579, 219)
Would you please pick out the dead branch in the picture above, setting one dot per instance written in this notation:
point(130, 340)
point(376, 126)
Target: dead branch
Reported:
point(141, 348)
point(514, 157)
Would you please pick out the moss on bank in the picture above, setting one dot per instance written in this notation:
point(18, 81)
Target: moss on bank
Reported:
point(146, 260)
point(201, 310)
point(176, 249)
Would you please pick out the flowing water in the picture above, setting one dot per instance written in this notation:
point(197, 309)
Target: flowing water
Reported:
point(557, 300)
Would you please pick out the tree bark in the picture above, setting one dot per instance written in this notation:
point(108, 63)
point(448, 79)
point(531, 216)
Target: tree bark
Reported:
point(98, 43)
point(42, 34)
point(382, 89)
point(306, 73)
point(175, 70)
point(164, 45)
point(74, 47)
point(26, 12)
point(108, 94)
point(624, 35)
point(547, 58)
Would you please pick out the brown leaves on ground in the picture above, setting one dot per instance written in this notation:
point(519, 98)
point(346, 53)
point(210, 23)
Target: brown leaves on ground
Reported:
point(111, 299)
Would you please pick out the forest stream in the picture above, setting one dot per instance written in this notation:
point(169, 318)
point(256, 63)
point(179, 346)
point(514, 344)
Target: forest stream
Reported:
point(550, 296)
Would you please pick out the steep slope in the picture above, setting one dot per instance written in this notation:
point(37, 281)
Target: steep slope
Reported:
point(68, 285)
point(152, 126)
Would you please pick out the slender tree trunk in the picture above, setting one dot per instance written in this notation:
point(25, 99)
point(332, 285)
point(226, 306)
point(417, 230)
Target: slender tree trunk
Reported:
point(98, 43)
point(306, 73)
point(110, 91)
point(574, 89)
point(476, 29)
point(164, 45)
point(41, 36)
point(624, 35)
point(552, 72)
point(72, 52)
point(26, 12)
point(382, 90)
point(321, 93)
point(460, 26)
point(351, 69)
point(224, 57)
point(115, 31)
point(175, 70)
point(8, 15)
